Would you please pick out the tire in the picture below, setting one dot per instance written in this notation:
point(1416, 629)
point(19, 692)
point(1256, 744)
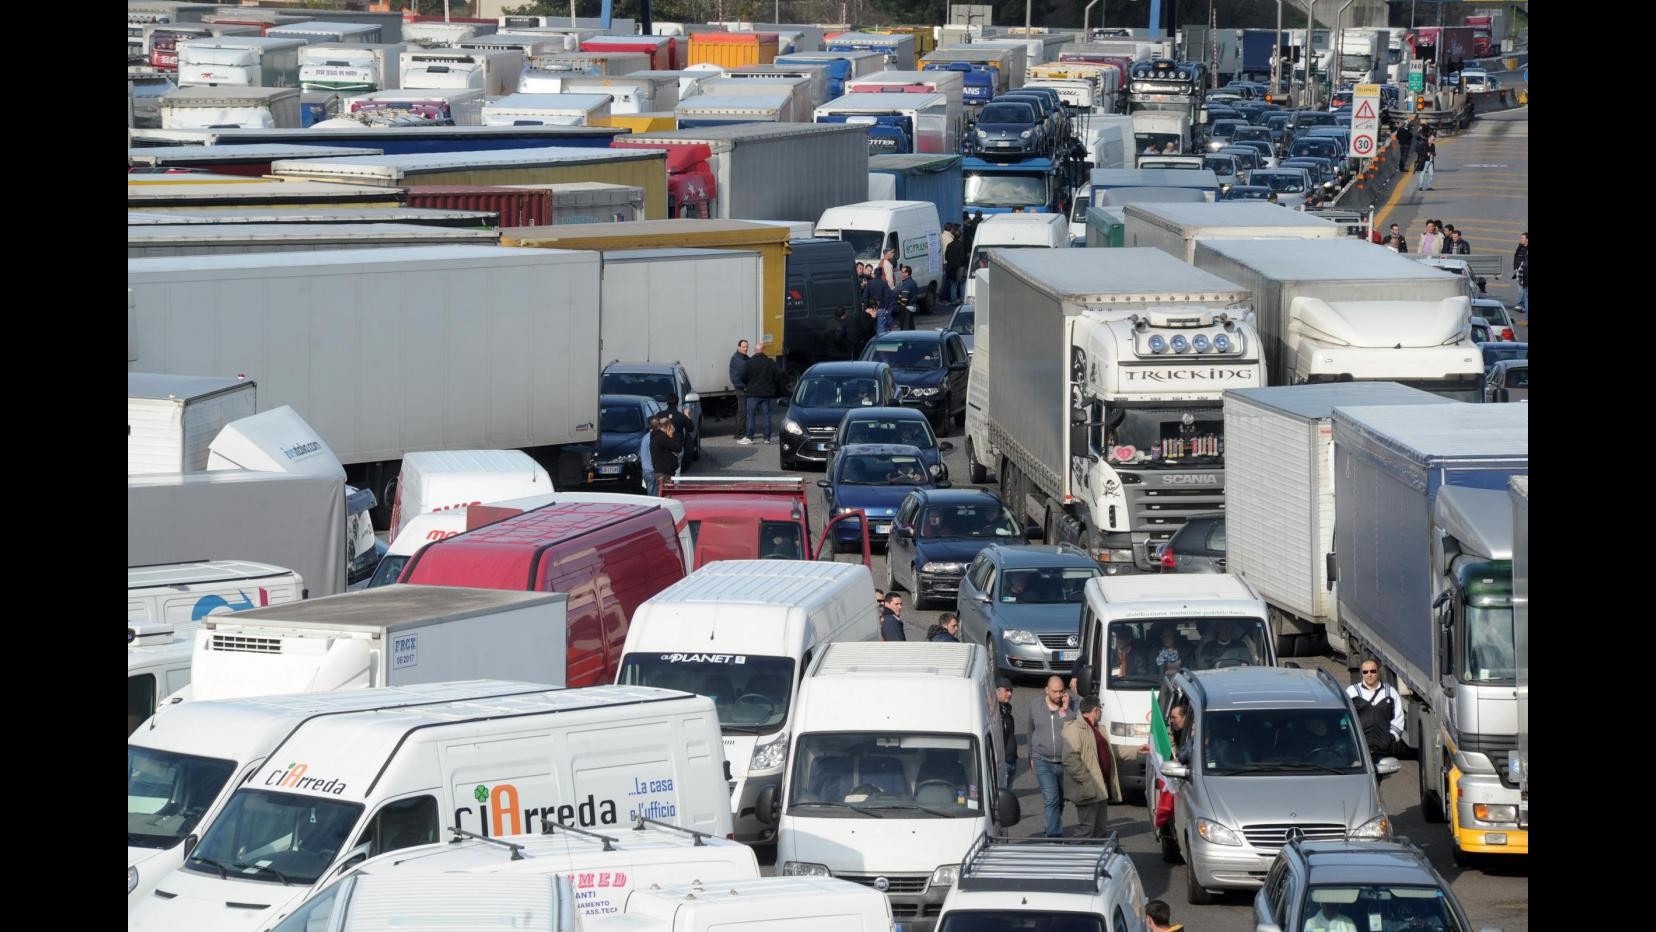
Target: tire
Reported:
point(891, 576)
point(1195, 893)
point(1463, 859)
point(994, 658)
point(978, 473)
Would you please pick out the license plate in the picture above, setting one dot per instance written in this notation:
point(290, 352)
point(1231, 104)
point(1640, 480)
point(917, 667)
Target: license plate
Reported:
point(882, 529)
point(820, 446)
point(609, 470)
point(1067, 654)
point(1001, 143)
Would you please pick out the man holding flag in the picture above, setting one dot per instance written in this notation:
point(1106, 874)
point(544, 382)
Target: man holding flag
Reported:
point(1162, 749)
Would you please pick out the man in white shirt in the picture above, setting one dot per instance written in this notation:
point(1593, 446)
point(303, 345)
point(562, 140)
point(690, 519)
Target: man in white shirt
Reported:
point(1329, 920)
point(1379, 709)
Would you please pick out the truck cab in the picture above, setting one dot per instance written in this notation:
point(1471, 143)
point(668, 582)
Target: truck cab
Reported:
point(744, 519)
point(1031, 185)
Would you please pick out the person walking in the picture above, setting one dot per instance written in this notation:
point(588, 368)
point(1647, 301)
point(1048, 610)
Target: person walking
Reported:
point(1009, 732)
point(760, 378)
point(738, 364)
point(1087, 770)
point(954, 267)
point(1425, 161)
point(891, 618)
point(1160, 917)
point(947, 629)
point(1405, 139)
point(664, 452)
point(1520, 273)
point(1379, 709)
point(1458, 245)
point(1047, 717)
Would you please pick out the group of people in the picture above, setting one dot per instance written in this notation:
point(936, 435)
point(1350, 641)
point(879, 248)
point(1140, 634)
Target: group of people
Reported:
point(890, 605)
point(1440, 239)
point(661, 454)
point(1420, 142)
point(757, 386)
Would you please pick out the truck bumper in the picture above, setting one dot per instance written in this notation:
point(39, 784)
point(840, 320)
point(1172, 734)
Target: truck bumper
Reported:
point(1495, 834)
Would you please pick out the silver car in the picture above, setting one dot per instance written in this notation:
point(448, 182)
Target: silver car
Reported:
point(1269, 754)
point(1024, 602)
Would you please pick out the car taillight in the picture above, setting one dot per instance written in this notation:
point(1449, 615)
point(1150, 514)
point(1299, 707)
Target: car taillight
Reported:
point(1507, 335)
point(1168, 560)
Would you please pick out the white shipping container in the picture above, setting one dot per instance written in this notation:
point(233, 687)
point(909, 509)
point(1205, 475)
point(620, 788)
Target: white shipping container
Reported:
point(690, 305)
point(1174, 228)
point(197, 107)
point(171, 419)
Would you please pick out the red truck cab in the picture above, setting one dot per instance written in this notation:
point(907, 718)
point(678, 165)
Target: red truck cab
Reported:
point(748, 519)
point(692, 192)
point(609, 558)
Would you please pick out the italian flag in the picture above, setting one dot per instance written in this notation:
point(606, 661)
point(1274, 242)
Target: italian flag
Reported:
point(1161, 749)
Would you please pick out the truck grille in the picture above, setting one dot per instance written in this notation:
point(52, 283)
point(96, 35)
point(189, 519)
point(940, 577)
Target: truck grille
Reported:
point(898, 883)
point(1162, 511)
point(916, 910)
point(1498, 748)
point(1274, 835)
point(236, 642)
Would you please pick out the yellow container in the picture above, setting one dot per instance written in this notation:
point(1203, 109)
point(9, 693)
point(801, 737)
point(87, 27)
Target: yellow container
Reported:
point(284, 194)
point(732, 49)
point(771, 242)
point(924, 41)
point(645, 122)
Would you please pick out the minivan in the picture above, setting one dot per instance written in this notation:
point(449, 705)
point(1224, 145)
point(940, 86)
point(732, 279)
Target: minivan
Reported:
point(910, 227)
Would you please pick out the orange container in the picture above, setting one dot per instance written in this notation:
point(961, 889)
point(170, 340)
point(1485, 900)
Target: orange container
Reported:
point(732, 49)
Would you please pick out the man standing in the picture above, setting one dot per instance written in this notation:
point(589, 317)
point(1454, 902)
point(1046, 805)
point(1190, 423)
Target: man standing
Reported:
point(891, 620)
point(908, 294)
point(945, 241)
point(888, 262)
point(1160, 917)
point(947, 629)
point(664, 452)
point(868, 324)
point(1458, 244)
point(760, 378)
point(1379, 709)
point(1520, 273)
point(1009, 732)
point(684, 429)
point(1047, 716)
point(954, 263)
point(879, 289)
point(738, 363)
point(1086, 770)
point(971, 230)
point(1404, 138)
point(1397, 237)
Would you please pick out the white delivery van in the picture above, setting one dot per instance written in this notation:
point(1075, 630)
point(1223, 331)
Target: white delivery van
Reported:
point(775, 904)
point(443, 479)
point(1014, 231)
point(606, 864)
point(172, 418)
point(171, 593)
point(740, 632)
point(341, 788)
point(184, 762)
point(370, 903)
point(910, 227)
point(909, 734)
point(158, 664)
point(1131, 628)
point(390, 636)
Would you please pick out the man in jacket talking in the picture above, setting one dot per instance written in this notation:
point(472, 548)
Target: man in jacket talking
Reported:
point(1087, 770)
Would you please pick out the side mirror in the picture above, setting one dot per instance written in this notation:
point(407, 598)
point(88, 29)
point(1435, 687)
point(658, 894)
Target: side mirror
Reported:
point(945, 447)
point(1032, 531)
point(1386, 766)
point(691, 397)
point(1175, 769)
point(189, 845)
point(767, 807)
point(824, 484)
point(904, 532)
point(1007, 811)
point(983, 597)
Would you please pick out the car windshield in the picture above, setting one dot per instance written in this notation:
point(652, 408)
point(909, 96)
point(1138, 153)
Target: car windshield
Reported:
point(1273, 742)
point(1251, 132)
point(881, 469)
point(1315, 145)
point(1220, 166)
point(168, 793)
point(1005, 190)
point(275, 837)
point(1489, 655)
point(1049, 585)
point(977, 520)
point(1140, 653)
point(649, 384)
point(912, 432)
point(1225, 128)
point(906, 354)
point(1247, 194)
point(390, 567)
point(1024, 920)
point(1163, 437)
point(621, 419)
point(965, 322)
point(1007, 113)
point(751, 692)
point(866, 243)
point(887, 775)
point(1381, 906)
point(1280, 182)
point(828, 391)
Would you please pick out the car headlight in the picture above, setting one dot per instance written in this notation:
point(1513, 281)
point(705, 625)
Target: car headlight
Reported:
point(945, 875)
point(1020, 636)
point(945, 568)
point(1024, 135)
point(769, 756)
point(982, 134)
point(1377, 827)
point(1488, 813)
point(1129, 730)
point(132, 880)
point(936, 469)
point(792, 427)
point(923, 392)
point(804, 869)
point(1217, 834)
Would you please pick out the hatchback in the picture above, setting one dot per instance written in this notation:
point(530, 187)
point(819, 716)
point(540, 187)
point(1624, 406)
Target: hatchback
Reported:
point(894, 425)
point(1356, 885)
point(1010, 128)
point(1198, 547)
point(930, 368)
point(874, 477)
point(825, 392)
point(937, 533)
point(1024, 602)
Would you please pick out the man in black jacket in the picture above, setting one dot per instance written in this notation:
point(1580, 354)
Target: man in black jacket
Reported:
point(738, 362)
point(1458, 244)
point(1520, 271)
point(1009, 732)
point(760, 378)
point(664, 451)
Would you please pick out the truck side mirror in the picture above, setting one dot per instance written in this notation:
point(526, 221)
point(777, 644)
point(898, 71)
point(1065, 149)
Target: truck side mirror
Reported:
point(1007, 811)
point(1333, 571)
point(767, 807)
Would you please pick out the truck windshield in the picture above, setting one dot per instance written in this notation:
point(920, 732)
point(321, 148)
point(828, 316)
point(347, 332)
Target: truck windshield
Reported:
point(752, 692)
point(1160, 141)
point(1488, 656)
point(886, 775)
point(1164, 438)
point(1141, 652)
point(1025, 921)
point(275, 837)
point(866, 243)
point(998, 190)
point(1354, 64)
point(1274, 742)
point(167, 794)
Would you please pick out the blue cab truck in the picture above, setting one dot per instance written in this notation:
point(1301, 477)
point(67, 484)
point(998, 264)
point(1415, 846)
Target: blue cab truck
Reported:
point(842, 66)
point(1037, 185)
point(1258, 45)
point(978, 80)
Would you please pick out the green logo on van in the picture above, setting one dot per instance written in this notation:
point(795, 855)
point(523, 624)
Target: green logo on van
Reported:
point(481, 794)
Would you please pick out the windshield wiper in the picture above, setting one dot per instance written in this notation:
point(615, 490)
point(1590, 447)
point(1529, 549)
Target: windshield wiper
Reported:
point(852, 806)
point(743, 729)
point(1301, 765)
point(223, 874)
point(927, 809)
point(264, 867)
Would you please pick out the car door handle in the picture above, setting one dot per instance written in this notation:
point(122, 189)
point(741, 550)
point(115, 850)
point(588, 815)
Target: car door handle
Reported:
point(1221, 562)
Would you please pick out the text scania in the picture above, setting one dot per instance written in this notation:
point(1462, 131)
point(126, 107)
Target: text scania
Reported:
point(500, 812)
point(293, 776)
point(1187, 375)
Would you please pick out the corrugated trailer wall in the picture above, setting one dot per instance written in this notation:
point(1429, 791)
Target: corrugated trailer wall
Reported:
point(516, 207)
point(828, 171)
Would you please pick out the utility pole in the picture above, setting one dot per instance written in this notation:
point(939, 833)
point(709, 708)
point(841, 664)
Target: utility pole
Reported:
point(1276, 56)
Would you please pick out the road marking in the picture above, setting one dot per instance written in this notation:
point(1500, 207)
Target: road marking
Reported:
point(1486, 165)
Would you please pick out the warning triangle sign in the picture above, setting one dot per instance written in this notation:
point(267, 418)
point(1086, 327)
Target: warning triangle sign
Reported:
point(1364, 112)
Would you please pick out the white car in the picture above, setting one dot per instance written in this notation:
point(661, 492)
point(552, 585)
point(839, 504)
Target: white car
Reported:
point(1040, 883)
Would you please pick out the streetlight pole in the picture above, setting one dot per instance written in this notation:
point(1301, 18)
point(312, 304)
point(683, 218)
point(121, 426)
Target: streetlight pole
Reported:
point(1276, 56)
point(1029, 6)
point(1310, 54)
point(1086, 14)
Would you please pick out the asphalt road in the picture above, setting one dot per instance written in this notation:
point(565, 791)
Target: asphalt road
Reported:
point(1493, 895)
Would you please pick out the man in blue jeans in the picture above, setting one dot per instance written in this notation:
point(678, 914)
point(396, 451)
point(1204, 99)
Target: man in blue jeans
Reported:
point(1047, 715)
point(759, 379)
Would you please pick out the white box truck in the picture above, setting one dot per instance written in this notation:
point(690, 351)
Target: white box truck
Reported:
point(689, 305)
point(492, 71)
point(351, 68)
point(1518, 763)
point(548, 110)
point(247, 61)
point(174, 593)
point(798, 90)
point(199, 107)
point(447, 480)
point(478, 364)
point(778, 171)
point(1174, 228)
point(171, 419)
point(629, 94)
point(390, 636)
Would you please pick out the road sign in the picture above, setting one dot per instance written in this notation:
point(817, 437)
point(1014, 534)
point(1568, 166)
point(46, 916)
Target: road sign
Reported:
point(1365, 120)
point(1417, 76)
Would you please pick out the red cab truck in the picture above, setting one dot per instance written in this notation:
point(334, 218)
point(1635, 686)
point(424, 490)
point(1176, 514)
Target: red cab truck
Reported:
point(607, 557)
point(739, 518)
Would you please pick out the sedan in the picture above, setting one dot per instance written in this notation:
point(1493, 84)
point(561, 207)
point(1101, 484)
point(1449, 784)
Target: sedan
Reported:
point(937, 533)
point(1220, 131)
point(1244, 133)
point(1024, 602)
point(930, 367)
point(1224, 167)
point(1495, 311)
point(1010, 128)
point(892, 424)
point(622, 427)
point(874, 477)
point(1323, 172)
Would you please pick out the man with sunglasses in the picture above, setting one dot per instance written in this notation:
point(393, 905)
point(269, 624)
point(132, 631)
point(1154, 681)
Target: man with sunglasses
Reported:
point(1379, 709)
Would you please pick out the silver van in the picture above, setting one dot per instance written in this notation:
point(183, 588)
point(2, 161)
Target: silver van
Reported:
point(1268, 754)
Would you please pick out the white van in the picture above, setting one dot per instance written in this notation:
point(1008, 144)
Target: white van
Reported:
point(1145, 615)
point(606, 865)
point(774, 904)
point(171, 593)
point(910, 227)
point(339, 789)
point(183, 763)
point(909, 734)
point(439, 480)
point(1014, 231)
point(740, 632)
point(158, 664)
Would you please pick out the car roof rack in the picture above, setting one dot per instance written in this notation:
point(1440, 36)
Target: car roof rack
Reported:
point(1038, 865)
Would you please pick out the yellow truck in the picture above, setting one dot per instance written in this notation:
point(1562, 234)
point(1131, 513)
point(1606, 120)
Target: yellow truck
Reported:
point(769, 240)
point(732, 49)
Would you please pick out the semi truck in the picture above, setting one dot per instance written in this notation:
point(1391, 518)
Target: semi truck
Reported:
point(727, 109)
point(495, 72)
point(951, 84)
point(250, 61)
point(898, 48)
point(1115, 455)
point(815, 77)
point(986, 72)
point(393, 140)
point(1002, 187)
point(798, 91)
point(1338, 310)
point(1423, 557)
point(842, 66)
point(351, 68)
point(197, 106)
point(629, 94)
point(897, 124)
point(1176, 228)
point(476, 366)
point(1488, 29)
point(1164, 97)
point(572, 109)
point(1363, 56)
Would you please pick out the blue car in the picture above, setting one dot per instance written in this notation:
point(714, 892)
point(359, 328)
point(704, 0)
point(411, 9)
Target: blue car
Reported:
point(825, 392)
point(1010, 128)
point(622, 421)
point(937, 532)
point(875, 477)
point(930, 367)
point(895, 425)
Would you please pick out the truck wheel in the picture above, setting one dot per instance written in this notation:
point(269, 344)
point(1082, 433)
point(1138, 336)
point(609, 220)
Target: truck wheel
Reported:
point(1195, 893)
point(978, 472)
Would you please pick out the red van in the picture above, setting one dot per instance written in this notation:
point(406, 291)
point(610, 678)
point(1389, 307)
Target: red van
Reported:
point(608, 557)
point(738, 518)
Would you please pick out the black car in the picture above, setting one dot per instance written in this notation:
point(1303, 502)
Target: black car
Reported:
point(894, 425)
point(1319, 146)
point(1247, 192)
point(930, 367)
point(825, 392)
point(661, 381)
point(622, 426)
point(1197, 547)
point(1495, 352)
point(937, 532)
point(1012, 128)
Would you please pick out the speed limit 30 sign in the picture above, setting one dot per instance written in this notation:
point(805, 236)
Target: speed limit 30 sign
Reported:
point(1365, 120)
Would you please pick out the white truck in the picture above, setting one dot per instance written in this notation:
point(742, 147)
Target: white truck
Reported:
point(777, 171)
point(1339, 310)
point(476, 367)
point(628, 94)
point(246, 61)
point(798, 90)
point(724, 109)
point(351, 68)
point(684, 305)
point(178, 593)
point(171, 419)
point(158, 664)
point(1001, 232)
point(1279, 510)
point(1176, 228)
point(816, 77)
point(951, 84)
point(1362, 56)
point(1117, 453)
point(495, 72)
point(199, 107)
point(1518, 764)
point(547, 110)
